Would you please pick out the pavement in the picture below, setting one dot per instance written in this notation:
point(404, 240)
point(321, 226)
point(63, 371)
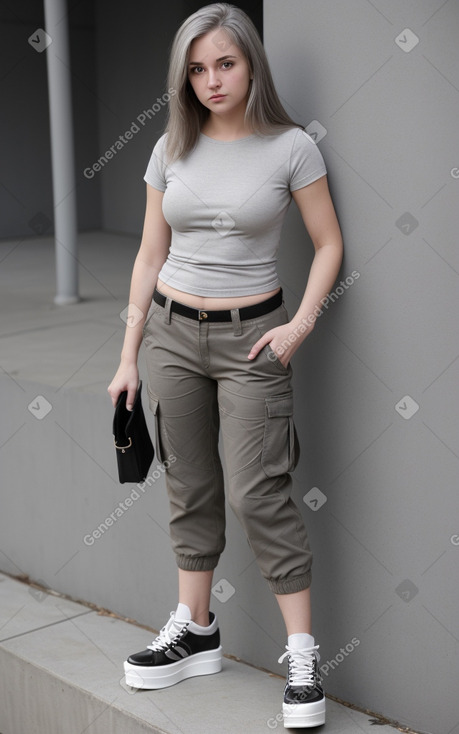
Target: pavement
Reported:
point(61, 666)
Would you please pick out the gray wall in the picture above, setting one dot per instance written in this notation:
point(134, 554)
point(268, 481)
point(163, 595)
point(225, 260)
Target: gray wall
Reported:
point(382, 513)
point(384, 556)
point(131, 68)
point(26, 197)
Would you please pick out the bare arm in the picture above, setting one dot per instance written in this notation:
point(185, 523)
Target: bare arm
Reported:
point(318, 213)
point(153, 251)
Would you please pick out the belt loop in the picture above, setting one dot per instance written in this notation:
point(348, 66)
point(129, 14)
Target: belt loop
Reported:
point(167, 310)
point(236, 319)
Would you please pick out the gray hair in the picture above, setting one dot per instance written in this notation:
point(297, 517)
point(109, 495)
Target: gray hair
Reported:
point(186, 115)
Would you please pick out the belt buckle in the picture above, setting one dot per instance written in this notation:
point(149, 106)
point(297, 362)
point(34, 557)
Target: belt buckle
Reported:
point(202, 315)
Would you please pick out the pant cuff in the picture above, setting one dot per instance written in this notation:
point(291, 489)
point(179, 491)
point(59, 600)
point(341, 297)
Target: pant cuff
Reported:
point(197, 563)
point(291, 585)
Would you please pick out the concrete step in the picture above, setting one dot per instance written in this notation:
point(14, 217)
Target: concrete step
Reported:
point(61, 665)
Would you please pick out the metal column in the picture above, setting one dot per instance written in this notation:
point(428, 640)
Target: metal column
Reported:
point(63, 166)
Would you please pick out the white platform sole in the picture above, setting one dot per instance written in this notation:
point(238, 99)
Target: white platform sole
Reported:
point(163, 676)
point(303, 715)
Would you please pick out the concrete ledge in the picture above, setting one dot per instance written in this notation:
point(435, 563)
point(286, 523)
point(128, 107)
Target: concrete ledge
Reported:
point(61, 672)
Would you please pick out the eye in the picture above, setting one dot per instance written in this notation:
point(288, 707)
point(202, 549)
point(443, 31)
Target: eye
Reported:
point(198, 69)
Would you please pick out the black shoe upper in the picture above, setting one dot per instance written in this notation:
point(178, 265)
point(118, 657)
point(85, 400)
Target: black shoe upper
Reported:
point(185, 644)
point(305, 694)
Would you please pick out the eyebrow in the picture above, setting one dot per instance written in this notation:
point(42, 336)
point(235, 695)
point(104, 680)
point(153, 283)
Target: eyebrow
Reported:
point(201, 63)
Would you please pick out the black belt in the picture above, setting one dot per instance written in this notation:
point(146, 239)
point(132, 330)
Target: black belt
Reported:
point(246, 312)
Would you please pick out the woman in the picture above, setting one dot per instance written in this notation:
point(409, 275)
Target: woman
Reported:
point(219, 341)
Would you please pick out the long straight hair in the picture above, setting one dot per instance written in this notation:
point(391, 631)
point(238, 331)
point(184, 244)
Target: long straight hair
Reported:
point(264, 112)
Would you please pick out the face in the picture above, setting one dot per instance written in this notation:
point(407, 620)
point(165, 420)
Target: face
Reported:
point(218, 67)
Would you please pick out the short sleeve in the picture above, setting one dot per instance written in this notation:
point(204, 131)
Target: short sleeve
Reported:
point(155, 175)
point(306, 161)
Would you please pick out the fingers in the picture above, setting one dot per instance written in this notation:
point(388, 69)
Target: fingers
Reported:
point(119, 384)
point(114, 394)
point(131, 397)
point(258, 346)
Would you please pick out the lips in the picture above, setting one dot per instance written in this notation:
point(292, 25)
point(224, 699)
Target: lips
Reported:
point(218, 96)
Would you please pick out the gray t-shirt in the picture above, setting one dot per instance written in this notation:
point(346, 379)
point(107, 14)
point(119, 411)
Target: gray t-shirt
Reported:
point(225, 203)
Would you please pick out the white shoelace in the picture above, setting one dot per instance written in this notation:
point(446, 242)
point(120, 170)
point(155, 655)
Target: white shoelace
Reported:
point(168, 634)
point(301, 668)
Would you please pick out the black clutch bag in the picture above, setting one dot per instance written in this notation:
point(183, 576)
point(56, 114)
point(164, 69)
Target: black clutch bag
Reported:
point(134, 449)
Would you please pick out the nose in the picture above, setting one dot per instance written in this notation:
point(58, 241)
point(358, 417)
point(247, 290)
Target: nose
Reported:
point(213, 81)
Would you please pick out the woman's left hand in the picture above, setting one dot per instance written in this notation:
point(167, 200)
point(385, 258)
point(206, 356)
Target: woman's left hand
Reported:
point(283, 340)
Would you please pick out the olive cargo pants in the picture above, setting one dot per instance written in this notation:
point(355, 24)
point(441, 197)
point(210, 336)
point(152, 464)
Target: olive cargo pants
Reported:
point(200, 382)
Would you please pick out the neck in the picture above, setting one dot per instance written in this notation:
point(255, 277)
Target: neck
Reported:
point(229, 127)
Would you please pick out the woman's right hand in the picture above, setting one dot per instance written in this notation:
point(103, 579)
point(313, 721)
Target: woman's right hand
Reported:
point(126, 378)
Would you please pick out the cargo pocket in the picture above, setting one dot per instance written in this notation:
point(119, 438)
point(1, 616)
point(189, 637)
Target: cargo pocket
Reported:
point(280, 451)
point(154, 407)
point(274, 359)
